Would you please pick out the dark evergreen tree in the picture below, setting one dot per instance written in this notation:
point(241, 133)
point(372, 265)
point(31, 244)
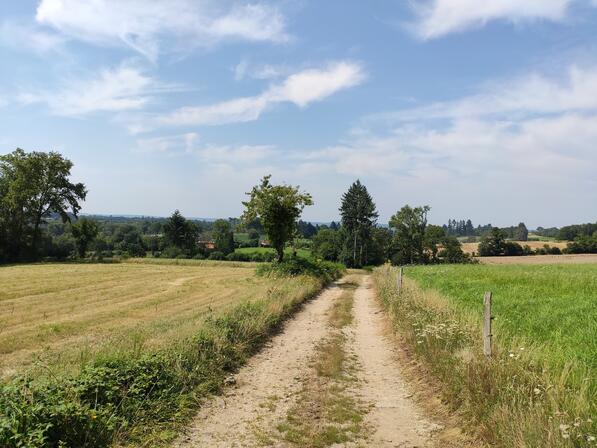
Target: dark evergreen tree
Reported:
point(358, 218)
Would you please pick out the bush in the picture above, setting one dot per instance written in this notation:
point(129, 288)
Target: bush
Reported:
point(238, 256)
point(216, 255)
point(293, 266)
point(199, 256)
point(171, 252)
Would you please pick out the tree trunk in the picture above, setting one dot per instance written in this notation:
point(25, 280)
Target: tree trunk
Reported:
point(354, 250)
point(280, 251)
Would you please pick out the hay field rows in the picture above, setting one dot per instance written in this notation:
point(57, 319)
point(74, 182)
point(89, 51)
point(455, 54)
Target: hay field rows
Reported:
point(63, 315)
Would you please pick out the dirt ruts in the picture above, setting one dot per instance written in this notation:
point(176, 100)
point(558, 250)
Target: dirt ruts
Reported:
point(271, 383)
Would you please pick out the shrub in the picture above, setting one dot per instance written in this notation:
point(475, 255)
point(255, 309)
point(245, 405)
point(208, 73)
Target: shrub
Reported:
point(238, 256)
point(171, 252)
point(199, 256)
point(216, 255)
point(293, 266)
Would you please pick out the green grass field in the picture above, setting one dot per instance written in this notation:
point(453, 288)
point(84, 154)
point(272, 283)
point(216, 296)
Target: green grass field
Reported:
point(554, 305)
point(538, 389)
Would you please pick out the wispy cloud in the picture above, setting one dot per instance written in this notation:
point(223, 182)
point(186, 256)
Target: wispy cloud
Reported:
point(302, 89)
point(144, 26)
point(530, 94)
point(120, 89)
point(437, 18)
point(26, 36)
point(245, 69)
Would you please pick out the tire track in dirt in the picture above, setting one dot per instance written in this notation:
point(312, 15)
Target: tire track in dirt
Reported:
point(266, 387)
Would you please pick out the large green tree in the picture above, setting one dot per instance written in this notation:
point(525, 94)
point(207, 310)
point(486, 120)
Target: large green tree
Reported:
point(327, 244)
point(84, 232)
point(33, 187)
point(223, 236)
point(278, 208)
point(358, 218)
point(181, 233)
point(409, 225)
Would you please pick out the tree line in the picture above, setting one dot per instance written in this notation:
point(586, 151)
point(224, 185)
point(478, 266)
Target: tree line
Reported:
point(39, 208)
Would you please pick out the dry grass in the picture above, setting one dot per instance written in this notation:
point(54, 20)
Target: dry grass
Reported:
point(542, 259)
point(473, 247)
point(62, 315)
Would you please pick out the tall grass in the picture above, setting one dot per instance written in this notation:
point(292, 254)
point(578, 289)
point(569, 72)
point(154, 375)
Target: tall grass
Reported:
point(519, 397)
point(119, 398)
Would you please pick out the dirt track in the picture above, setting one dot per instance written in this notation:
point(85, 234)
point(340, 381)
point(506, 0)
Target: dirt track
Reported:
point(271, 386)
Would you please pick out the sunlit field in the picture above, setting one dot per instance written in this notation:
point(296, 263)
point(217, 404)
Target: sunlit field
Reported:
point(60, 316)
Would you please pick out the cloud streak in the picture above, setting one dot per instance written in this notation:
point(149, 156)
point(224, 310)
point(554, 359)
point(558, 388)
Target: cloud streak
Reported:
point(438, 18)
point(123, 88)
point(145, 26)
point(301, 89)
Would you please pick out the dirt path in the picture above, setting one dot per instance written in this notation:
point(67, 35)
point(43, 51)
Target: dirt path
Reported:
point(266, 387)
point(278, 384)
point(394, 419)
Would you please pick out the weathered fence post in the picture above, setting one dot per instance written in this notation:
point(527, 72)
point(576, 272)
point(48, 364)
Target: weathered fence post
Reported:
point(487, 324)
point(399, 280)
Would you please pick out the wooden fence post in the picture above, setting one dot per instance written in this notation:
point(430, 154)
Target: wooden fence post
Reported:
point(400, 279)
point(487, 324)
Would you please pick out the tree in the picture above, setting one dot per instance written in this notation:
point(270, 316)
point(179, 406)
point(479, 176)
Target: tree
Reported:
point(278, 207)
point(34, 186)
point(451, 251)
point(358, 217)
point(327, 244)
point(223, 236)
point(434, 236)
point(493, 244)
point(84, 232)
point(181, 233)
point(521, 232)
point(409, 226)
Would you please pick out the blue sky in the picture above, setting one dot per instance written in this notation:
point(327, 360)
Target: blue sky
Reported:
point(482, 110)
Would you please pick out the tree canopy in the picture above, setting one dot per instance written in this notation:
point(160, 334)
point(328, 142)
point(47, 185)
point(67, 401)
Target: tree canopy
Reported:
point(278, 208)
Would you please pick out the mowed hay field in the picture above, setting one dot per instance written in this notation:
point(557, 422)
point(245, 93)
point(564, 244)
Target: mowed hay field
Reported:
point(60, 316)
point(474, 247)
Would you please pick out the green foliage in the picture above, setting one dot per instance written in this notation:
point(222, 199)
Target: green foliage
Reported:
point(583, 245)
point(327, 244)
point(223, 236)
point(294, 266)
point(181, 233)
point(409, 226)
point(33, 186)
point(278, 208)
point(122, 398)
point(572, 232)
point(358, 218)
point(84, 232)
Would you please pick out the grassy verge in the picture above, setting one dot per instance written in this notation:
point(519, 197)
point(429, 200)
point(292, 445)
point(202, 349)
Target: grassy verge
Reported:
point(519, 398)
point(325, 414)
point(123, 399)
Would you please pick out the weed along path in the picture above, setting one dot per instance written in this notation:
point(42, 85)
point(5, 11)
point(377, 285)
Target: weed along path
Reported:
point(330, 378)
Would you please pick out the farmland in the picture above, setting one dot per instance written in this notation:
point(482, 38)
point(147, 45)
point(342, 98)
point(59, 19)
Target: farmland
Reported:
point(68, 314)
point(539, 388)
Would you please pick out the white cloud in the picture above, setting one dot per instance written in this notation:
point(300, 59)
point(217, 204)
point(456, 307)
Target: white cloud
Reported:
point(113, 90)
point(244, 69)
point(302, 89)
point(527, 95)
point(16, 35)
point(144, 25)
point(440, 17)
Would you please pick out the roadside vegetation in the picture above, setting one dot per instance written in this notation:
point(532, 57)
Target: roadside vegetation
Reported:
point(539, 387)
point(141, 390)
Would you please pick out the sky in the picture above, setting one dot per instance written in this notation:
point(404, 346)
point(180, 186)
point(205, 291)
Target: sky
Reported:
point(481, 110)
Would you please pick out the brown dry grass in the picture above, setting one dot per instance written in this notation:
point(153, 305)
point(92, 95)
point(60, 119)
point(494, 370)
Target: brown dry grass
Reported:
point(542, 259)
point(473, 247)
point(60, 316)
